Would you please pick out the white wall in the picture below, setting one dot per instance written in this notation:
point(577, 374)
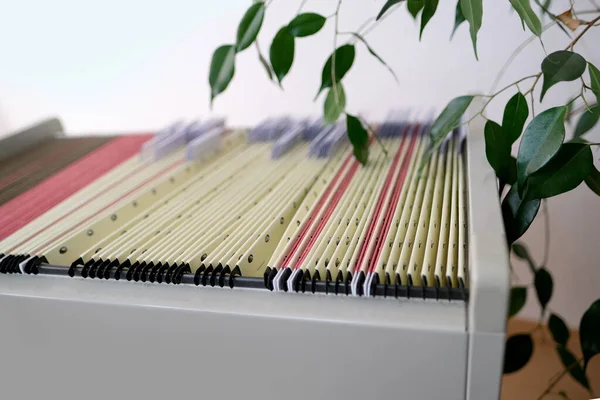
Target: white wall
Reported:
point(131, 65)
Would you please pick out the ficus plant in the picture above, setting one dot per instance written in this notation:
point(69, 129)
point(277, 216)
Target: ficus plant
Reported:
point(547, 163)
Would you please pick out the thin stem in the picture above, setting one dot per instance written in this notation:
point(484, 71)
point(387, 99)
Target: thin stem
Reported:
point(493, 96)
point(573, 100)
point(373, 26)
point(580, 108)
point(515, 53)
point(585, 103)
point(558, 378)
point(377, 22)
point(512, 84)
point(539, 3)
point(467, 122)
point(335, 35)
point(553, 18)
point(523, 45)
point(302, 3)
point(537, 78)
point(584, 12)
point(557, 394)
point(587, 28)
point(365, 24)
point(547, 233)
point(268, 66)
point(372, 131)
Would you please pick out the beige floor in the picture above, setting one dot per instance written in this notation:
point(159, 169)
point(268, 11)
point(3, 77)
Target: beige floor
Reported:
point(531, 381)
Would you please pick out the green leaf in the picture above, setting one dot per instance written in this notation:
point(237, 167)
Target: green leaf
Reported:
point(450, 117)
point(589, 332)
point(527, 14)
point(511, 179)
point(558, 329)
point(459, 18)
point(428, 11)
point(570, 362)
point(497, 149)
point(344, 58)
point(282, 53)
point(306, 24)
point(568, 114)
point(541, 141)
point(518, 297)
point(587, 121)
point(414, 6)
point(250, 26)
point(553, 17)
point(517, 353)
point(222, 68)
point(515, 115)
point(561, 66)
point(571, 165)
point(359, 138)
point(543, 287)
point(545, 6)
point(593, 181)
point(386, 7)
point(521, 252)
point(362, 39)
point(473, 12)
point(334, 106)
point(594, 80)
point(447, 121)
point(517, 214)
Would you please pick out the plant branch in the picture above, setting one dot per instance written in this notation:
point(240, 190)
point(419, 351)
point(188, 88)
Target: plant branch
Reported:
point(523, 45)
point(547, 233)
point(335, 35)
point(553, 18)
point(558, 378)
point(302, 3)
point(544, 9)
point(573, 100)
point(372, 131)
point(537, 78)
point(512, 58)
point(493, 96)
point(587, 28)
point(490, 98)
point(368, 29)
point(365, 24)
point(377, 22)
point(580, 108)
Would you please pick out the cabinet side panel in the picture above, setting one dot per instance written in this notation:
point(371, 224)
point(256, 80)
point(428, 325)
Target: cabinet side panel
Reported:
point(72, 350)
